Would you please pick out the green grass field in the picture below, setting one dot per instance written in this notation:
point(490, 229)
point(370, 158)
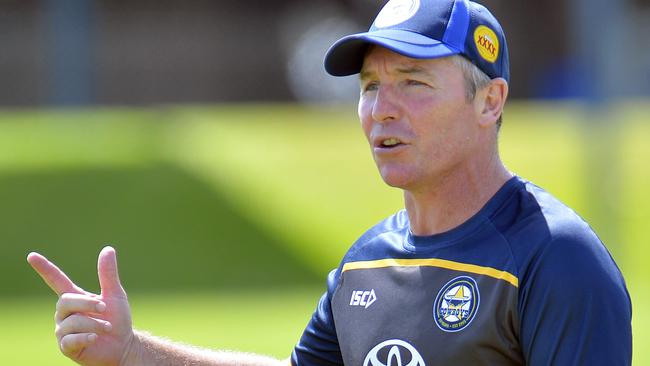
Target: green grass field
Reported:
point(192, 196)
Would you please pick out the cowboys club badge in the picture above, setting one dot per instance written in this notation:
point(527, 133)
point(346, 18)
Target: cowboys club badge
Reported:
point(456, 304)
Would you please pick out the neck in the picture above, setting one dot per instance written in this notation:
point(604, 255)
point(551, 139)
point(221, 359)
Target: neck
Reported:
point(453, 199)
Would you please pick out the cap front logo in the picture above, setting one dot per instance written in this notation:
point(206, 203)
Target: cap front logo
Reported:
point(487, 43)
point(396, 11)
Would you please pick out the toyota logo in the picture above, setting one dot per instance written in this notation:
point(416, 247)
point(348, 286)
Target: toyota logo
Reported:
point(393, 352)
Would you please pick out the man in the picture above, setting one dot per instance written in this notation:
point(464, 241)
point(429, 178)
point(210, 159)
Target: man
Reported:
point(482, 267)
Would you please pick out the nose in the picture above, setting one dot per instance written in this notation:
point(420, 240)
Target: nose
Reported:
point(385, 107)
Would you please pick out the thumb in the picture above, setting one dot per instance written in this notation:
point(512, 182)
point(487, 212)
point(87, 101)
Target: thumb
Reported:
point(109, 278)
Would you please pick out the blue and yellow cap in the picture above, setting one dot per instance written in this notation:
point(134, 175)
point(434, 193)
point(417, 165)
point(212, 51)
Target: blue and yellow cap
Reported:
point(427, 29)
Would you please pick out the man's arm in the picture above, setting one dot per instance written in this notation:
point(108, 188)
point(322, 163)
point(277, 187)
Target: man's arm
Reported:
point(575, 309)
point(96, 329)
point(151, 350)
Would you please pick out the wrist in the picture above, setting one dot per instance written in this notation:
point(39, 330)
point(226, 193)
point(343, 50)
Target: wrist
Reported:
point(133, 351)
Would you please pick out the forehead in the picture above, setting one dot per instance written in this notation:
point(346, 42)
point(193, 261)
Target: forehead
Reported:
point(382, 59)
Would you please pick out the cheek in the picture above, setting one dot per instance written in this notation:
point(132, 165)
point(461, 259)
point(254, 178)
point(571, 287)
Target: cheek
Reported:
point(455, 135)
point(365, 116)
point(440, 126)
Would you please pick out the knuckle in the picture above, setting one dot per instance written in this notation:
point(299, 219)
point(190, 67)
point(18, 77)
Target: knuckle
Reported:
point(58, 332)
point(66, 326)
point(65, 344)
point(71, 343)
point(62, 305)
point(60, 315)
point(66, 296)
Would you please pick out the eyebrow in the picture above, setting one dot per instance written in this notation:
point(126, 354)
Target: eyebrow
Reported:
point(418, 70)
point(405, 70)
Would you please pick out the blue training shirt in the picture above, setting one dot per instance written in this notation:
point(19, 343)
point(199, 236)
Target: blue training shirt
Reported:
point(525, 281)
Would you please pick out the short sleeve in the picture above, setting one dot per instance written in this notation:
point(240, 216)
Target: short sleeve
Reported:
point(319, 344)
point(574, 306)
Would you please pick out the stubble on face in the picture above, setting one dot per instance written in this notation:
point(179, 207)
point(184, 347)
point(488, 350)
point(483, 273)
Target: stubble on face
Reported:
point(421, 104)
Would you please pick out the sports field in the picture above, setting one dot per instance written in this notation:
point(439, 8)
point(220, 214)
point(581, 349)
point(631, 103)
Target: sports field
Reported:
point(227, 218)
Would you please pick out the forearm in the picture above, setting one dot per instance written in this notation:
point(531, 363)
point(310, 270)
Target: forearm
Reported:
point(150, 350)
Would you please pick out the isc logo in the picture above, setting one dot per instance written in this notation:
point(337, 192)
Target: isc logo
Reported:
point(363, 298)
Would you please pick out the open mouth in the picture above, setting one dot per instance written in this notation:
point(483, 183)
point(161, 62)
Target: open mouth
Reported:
point(390, 143)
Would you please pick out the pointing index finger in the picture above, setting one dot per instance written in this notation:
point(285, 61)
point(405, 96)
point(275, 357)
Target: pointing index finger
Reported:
point(56, 279)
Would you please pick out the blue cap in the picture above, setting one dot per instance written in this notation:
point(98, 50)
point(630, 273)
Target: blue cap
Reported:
point(427, 29)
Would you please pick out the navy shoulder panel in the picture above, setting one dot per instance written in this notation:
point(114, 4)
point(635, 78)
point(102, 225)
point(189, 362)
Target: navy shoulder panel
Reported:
point(390, 231)
point(573, 303)
point(319, 344)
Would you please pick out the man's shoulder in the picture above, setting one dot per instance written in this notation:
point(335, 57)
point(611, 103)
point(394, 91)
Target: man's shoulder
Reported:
point(533, 216)
point(565, 273)
point(543, 231)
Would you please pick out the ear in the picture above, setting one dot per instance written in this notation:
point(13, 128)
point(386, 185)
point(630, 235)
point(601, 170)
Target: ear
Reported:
point(490, 101)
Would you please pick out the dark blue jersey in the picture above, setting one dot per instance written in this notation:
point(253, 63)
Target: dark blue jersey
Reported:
point(525, 281)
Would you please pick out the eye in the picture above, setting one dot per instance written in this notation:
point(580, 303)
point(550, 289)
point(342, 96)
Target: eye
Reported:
point(369, 86)
point(412, 82)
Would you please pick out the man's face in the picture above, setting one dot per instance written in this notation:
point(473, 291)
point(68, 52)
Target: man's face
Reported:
point(416, 117)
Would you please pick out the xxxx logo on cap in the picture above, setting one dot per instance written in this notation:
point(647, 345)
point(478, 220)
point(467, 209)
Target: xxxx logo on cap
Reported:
point(487, 43)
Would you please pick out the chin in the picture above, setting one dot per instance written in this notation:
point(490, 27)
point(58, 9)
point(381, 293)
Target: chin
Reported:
point(396, 178)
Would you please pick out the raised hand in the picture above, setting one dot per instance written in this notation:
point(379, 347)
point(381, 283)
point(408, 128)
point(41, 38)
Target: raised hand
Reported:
point(91, 329)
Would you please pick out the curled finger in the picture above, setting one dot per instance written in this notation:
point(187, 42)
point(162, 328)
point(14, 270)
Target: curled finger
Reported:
point(73, 343)
point(70, 303)
point(77, 324)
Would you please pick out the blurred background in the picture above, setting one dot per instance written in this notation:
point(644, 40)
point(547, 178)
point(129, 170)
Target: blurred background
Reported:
point(205, 142)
